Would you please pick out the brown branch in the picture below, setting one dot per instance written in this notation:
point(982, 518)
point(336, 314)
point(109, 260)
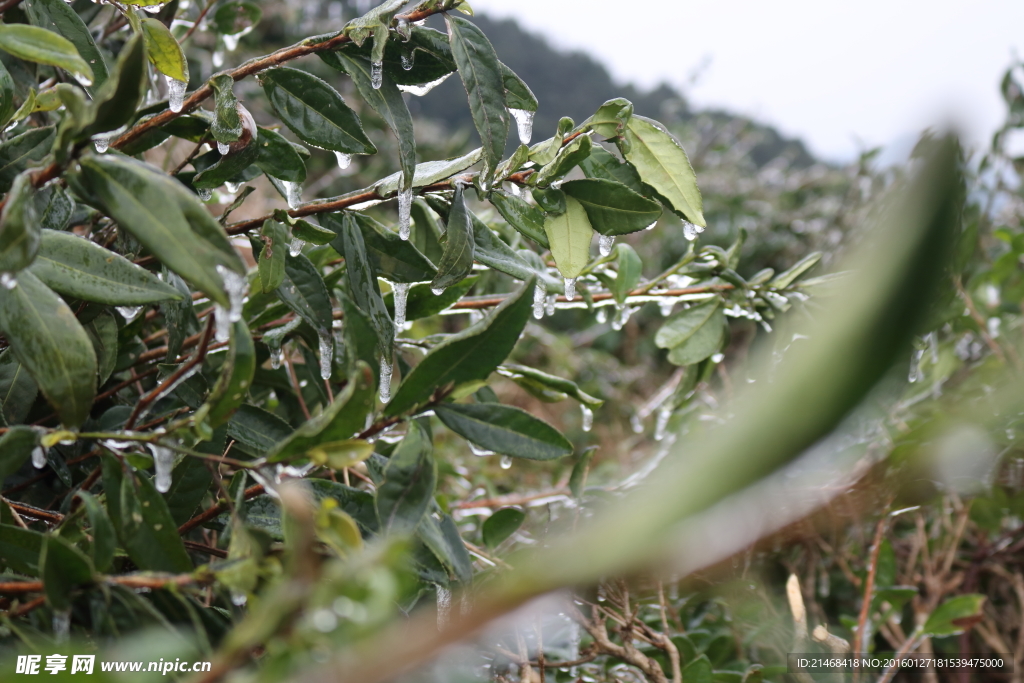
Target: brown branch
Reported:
point(150, 581)
point(216, 510)
point(36, 513)
point(859, 641)
point(8, 5)
point(199, 20)
point(200, 548)
point(22, 610)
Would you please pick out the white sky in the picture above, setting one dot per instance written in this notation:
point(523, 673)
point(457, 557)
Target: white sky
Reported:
point(840, 75)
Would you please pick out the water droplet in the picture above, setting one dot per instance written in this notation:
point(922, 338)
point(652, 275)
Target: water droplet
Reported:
point(276, 358)
point(292, 193)
point(401, 295)
point(601, 315)
point(163, 462)
point(915, 367)
point(481, 452)
point(8, 281)
point(549, 305)
point(128, 312)
point(570, 288)
point(516, 192)
point(385, 381)
point(232, 188)
point(376, 74)
point(205, 194)
point(438, 291)
point(231, 40)
point(718, 358)
point(295, 246)
point(326, 354)
point(524, 124)
point(690, 231)
point(665, 306)
point(661, 426)
point(39, 457)
point(444, 606)
point(218, 59)
point(539, 298)
point(404, 213)
point(605, 244)
point(238, 598)
point(101, 143)
point(421, 90)
point(223, 148)
point(235, 286)
point(407, 62)
point(588, 417)
point(61, 625)
point(175, 93)
point(344, 160)
point(505, 462)
point(651, 226)
point(637, 424)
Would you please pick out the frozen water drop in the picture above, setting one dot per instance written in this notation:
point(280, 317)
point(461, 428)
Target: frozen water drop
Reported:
point(128, 312)
point(588, 417)
point(690, 231)
point(637, 424)
point(231, 41)
point(385, 381)
point(407, 62)
point(403, 29)
point(175, 93)
point(506, 462)
point(239, 598)
point(444, 606)
point(295, 246)
point(404, 213)
point(376, 74)
point(222, 326)
point(549, 305)
point(401, 295)
point(153, 9)
point(539, 297)
point(39, 457)
point(601, 316)
point(101, 143)
point(8, 281)
point(276, 358)
point(477, 451)
point(163, 462)
point(421, 90)
point(223, 148)
point(718, 358)
point(666, 305)
point(205, 194)
point(516, 192)
point(292, 193)
point(326, 354)
point(661, 425)
point(232, 188)
point(61, 625)
point(218, 59)
point(605, 244)
point(570, 288)
point(524, 124)
point(344, 160)
point(437, 291)
point(622, 314)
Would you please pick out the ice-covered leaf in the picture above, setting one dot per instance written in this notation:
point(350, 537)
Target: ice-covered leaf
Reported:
point(569, 235)
point(59, 17)
point(393, 258)
point(457, 260)
point(39, 45)
point(163, 50)
point(363, 284)
point(693, 334)
point(407, 491)
point(662, 164)
point(20, 228)
point(613, 208)
point(524, 217)
point(278, 157)
point(303, 290)
point(17, 153)
point(63, 568)
point(504, 429)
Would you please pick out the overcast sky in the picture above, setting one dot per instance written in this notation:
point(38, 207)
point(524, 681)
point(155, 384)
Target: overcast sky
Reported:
point(841, 75)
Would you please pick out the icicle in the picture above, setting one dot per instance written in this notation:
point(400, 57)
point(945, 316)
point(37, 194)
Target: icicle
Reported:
point(223, 148)
point(128, 312)
point(235, 286)
point(205, 194)
point(222, 326)
point(516, 192)
point(444, 606)
point(326, 354)
point(588, 417)
point(401, 294)
point(232, 188)
point(477, 451)
point(524, 124)
point(403, 29)
point(690, 231)
point(915, 369)
point(438, 291)
point(163, 462)
point(407, 62)
point(601, 316)
point(637, 424)
point(549, 305)
point(538, 301)
point(506, 462)
point(661, 425)
point(231, 41)
point(376, 74)
point(276, 358)
point(175, 93)
point(385, 381)
point(404, 213)
point(101, 143)
point(344, 160)
point(292, 193)
point(666, 305)
point(218, 59)
point(61, 625)
point(605, 244)
point(718, 358)
point(570, 288)
point(39, 457)
point(421, 90)
point(295, 246)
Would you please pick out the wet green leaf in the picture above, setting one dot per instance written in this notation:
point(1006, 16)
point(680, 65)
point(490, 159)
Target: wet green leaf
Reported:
point(457, 259)
point(235, 17)
point(147, 530)
point(19, 549)
point(363, 284)
point(393, 258)
point(235, 378)
point(504, 429)
point(163, 50)
point(502, 524)
point(613, 208)
point(17, 443)
point(63, 568)
point(407, 491)
point(278, 157)
point(104, 538)
point(61, 18)
point(524, 217)
point(17, 153)
point(39, 45)
point(272, 257)
point(20, 228)
point(662, 164)
point(569, 235)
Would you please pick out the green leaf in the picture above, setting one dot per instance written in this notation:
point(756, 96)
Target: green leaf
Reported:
point(578, 476)
point(35, 44)
point(236, 17)
point(235, 378)
point(272, 257)
point(613, 208)
point(18, 152)
point(7, 107)
point(227, 167)
point(357, 504)
point(190, 480)
point(955, 615)
point(104, 538)
point(568, 157)
point(502, 524)
point(457, 259)
point(227, 124)
point(82, 269)
point(165, 217)
point(278, 157)
point(363, 284)
point(17, 391)
point(524, 217)
point(116, 101)
point(559, 384)
point(468, 355)
point(386, 99)
point(63, 568)
point(311, 233)
point(54, 206)
point(61, 18)
point(492, 251)
point(663, 165)
point(147, 531)
point(19, 549)
point(787, 278)
point(611, 118)
point(628, 272)
point(315, 111)
point(20, 228)
point(421, 301)
point(410, 477)
point(517, 94)
point(340, 420)
point(429, 172)
point(698, 671)
point(256, 430)
point(392, 258)
point(481, 74)
point(602, 165)
point(15, 445)
point(693, 334)
point(163, 50)
point(569, 235)
point(52, 345)
point(504, 429)
point(444, 541)
point(102, 331)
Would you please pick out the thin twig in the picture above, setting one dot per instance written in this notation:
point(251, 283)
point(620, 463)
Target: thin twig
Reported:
point(859, 641)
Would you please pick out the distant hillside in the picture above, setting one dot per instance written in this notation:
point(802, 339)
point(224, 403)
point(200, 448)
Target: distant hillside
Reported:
point(574, 84)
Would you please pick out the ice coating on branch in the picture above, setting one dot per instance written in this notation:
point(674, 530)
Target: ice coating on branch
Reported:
point(39, 457)
point(605, 244)
point(421, 90)
point(295, 246)
point(163, 463)
point(661, 425)
point(407, 62)
point(376, 74)
point(636, 423)
point(61, 625)
point(444, 606)
point(223, 148)
point(524, 124)
point(404, 213)
point(477, 451)
point(344, 160)
point(549, 305)
point(153, 9)
point(292, 193)
point(570, 288)
point(588, 417)
point(401, 292)
point(276, 357)
point(506, 462)
point(128, 312)
point(205, 194)
point(539, 298)
point(234, 285)
point(326, 353)
point(101, 143)
point(175, 93)
point(385, 380)
point(690, 231)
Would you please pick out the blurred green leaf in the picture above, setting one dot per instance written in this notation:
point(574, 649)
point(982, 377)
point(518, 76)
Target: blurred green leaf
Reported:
point(39, 45)
point(163, 50)
point(502, 524)
point(63, 568)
